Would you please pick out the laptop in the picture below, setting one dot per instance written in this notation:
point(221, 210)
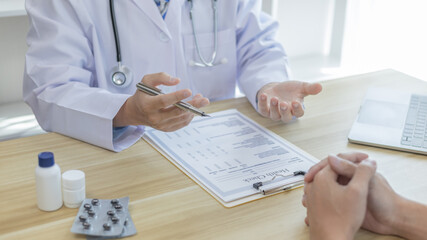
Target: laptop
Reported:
point(392, 119)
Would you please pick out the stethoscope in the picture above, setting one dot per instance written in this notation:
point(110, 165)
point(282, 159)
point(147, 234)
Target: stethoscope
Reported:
point(205, 63)
point(121, 76)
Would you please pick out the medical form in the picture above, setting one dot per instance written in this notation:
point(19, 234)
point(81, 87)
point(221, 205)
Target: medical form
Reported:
point(227, 153)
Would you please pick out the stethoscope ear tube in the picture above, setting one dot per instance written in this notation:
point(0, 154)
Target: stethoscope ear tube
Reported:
point(211, 62)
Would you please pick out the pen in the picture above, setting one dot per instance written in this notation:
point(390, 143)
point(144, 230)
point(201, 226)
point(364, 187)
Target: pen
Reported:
point(282, 188)
point(183, 105)
point(261, 186)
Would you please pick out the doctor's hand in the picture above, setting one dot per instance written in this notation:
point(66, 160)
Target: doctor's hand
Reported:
point(336, 211)
point(282, 101)
point(158, 111)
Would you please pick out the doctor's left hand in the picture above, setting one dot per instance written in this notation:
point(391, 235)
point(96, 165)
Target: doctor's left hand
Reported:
point(158, 111)
point(284, 100)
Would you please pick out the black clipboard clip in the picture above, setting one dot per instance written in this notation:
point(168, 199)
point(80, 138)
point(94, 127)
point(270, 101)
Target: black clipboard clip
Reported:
point(262, 186)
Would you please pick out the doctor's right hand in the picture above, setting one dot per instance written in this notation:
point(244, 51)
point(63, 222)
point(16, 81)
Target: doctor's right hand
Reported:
point(158, 111)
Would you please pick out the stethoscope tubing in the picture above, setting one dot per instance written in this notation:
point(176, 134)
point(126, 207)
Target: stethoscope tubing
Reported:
point(121, 75)
point(115, 31)
point(196, 42)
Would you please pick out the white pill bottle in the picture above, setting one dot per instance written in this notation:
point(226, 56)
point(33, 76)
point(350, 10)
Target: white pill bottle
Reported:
point(48, 183)
point(73, 188)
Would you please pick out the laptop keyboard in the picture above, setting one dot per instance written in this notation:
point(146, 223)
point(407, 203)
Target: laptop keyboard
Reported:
point(415, 130)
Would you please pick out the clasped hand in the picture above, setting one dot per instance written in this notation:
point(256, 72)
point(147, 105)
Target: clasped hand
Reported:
point(343, 193)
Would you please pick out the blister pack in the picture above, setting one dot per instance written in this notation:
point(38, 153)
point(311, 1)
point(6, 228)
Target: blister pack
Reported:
point(104, 218)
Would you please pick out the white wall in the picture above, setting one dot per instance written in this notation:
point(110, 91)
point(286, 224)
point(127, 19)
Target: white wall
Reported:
point(12, 54)
point(305, 26)
point(312, 33)
point(386, 34)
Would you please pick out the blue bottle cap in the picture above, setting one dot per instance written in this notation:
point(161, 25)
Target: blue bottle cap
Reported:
point(46, 159)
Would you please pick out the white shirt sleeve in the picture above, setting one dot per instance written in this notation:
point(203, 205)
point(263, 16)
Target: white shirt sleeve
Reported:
point(261, 58)
point(60, 83)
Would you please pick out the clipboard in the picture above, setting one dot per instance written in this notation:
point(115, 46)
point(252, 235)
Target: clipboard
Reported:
point(276, 184)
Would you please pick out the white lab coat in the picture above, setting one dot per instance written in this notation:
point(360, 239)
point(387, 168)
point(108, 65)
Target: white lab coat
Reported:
point(67, 79)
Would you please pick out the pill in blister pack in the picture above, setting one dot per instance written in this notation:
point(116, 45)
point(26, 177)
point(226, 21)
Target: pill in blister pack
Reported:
point(100, 218)
point(128, 230)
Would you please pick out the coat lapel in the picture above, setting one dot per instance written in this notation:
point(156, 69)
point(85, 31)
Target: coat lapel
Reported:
point(151, 10)
point(174, 12)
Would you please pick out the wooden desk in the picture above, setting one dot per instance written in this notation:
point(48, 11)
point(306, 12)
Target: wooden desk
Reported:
point(166, 204)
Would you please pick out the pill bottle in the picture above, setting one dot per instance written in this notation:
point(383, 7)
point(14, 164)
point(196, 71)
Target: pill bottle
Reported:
point(48, 183)
point(73, 188)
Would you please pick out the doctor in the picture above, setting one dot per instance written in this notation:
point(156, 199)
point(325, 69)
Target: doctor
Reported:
point(85, 57)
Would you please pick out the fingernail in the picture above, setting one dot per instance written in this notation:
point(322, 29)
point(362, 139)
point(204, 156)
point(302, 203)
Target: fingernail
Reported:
point(334, 159)
point(186, 94)
point(372, 162)
point(172, 80)
point(283, 108)
point(295, 105)
point(263, 97)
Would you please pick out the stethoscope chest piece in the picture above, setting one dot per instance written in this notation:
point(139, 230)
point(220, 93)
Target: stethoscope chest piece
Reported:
point(121, 76)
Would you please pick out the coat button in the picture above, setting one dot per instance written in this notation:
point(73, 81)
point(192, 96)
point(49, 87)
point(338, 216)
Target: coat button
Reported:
point(164, 37)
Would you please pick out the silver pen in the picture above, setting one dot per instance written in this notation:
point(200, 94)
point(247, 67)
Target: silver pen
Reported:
point(183, 105)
